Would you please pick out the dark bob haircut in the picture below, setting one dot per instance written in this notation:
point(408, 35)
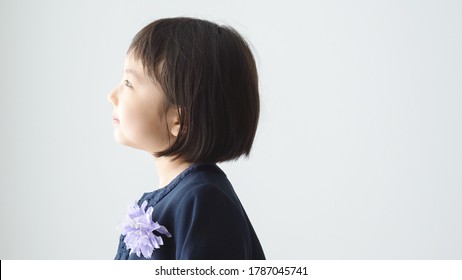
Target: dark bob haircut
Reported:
point(208, 72)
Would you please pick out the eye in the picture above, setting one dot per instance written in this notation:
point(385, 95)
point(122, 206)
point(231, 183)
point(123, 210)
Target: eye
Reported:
point(128, 84)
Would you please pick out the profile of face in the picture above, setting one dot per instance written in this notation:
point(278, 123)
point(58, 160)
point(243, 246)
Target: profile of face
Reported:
point(139, 116)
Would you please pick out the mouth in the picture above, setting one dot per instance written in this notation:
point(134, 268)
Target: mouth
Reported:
point(115, 120)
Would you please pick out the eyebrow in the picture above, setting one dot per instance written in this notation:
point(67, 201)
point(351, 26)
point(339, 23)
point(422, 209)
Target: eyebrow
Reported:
point(133, 72)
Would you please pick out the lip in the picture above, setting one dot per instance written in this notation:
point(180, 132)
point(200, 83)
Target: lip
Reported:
point(115, 120)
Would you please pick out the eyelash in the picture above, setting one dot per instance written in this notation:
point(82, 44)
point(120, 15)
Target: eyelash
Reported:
point(128, 84)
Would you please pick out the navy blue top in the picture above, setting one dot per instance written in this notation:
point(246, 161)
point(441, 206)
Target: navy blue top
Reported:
point(204, 216)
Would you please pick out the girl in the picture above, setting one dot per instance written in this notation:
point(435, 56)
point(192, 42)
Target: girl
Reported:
point(189, 96)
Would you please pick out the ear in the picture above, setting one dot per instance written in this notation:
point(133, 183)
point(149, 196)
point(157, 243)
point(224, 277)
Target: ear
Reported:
point(173, 116)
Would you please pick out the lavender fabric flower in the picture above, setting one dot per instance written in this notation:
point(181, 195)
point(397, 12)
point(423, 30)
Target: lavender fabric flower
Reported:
point(139, 231)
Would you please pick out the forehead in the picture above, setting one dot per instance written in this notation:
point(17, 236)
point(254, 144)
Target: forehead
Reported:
point(134, 67)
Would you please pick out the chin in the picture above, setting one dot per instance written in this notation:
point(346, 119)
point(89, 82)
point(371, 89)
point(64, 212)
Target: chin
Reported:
point(142, 144)
point(121, 139)
point(131, 144)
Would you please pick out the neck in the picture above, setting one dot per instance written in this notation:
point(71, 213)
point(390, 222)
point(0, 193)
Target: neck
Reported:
point(168, 169)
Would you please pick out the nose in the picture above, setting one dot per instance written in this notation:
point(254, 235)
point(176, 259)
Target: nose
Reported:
point(112, 97)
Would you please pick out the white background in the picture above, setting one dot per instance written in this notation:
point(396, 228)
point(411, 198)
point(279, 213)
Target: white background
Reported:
point(357, 155)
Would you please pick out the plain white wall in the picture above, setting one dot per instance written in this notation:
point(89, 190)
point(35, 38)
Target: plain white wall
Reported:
point(357, 155)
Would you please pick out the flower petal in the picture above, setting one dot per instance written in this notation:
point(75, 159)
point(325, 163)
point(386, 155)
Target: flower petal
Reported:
point(143, 206)
point(162, 230)
point(139, 231)
point(149, 211)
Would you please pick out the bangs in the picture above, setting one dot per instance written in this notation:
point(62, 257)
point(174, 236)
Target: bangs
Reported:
point(149, 46)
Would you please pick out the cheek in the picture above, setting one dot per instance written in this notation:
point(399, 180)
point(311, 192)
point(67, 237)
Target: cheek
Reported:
point(142, 124)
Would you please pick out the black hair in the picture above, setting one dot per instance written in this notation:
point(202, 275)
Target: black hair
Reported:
point(208, 72)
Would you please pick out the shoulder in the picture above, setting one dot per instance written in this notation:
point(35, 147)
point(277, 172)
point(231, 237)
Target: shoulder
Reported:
point(207, 197)
point(204, 199)
point(202, 195)
point(205, 184)
point(205, 219)
point(205, 190)
point(210, 210)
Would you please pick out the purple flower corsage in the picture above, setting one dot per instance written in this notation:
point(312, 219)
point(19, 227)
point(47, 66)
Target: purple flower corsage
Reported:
point(139, 231)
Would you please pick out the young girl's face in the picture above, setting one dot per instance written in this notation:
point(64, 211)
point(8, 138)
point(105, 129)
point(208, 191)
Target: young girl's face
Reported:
point(138, 115)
